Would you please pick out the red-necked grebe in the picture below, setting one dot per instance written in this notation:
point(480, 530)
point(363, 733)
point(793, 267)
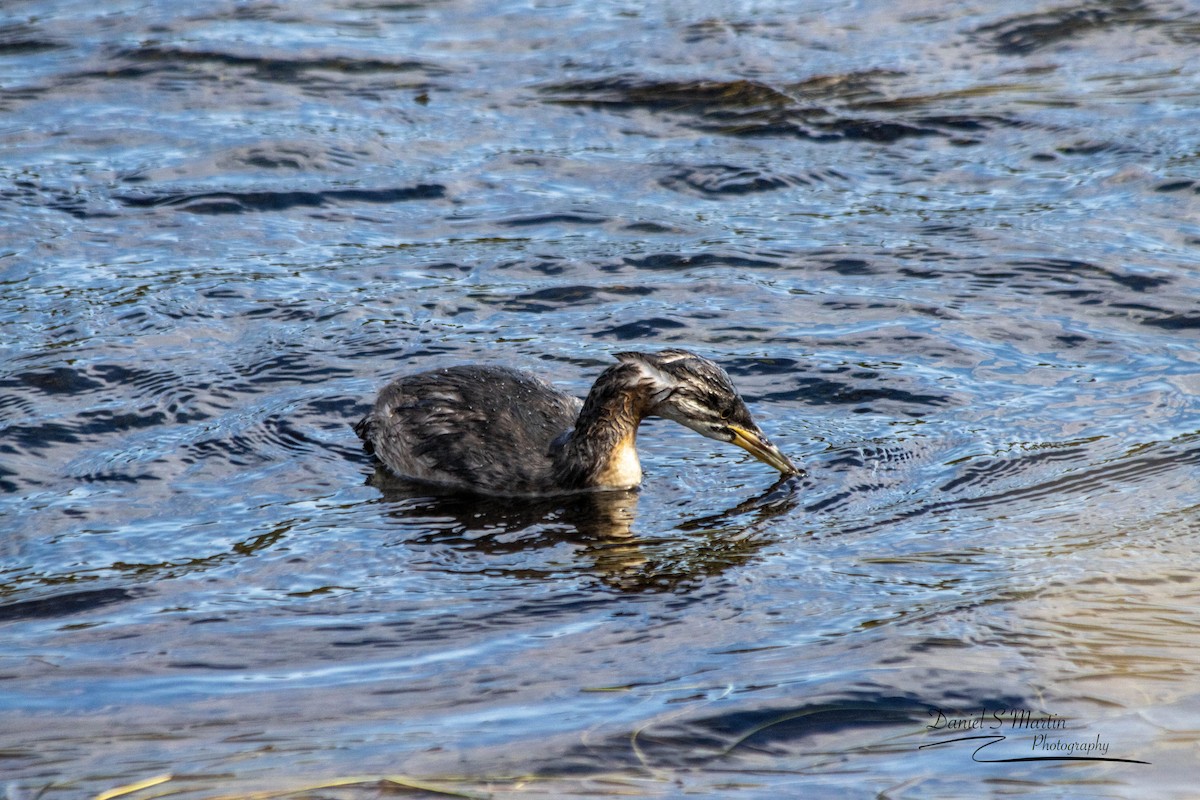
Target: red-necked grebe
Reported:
point(499, 431)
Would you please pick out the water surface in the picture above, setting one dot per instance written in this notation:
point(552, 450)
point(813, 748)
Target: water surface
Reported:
point(949, 252)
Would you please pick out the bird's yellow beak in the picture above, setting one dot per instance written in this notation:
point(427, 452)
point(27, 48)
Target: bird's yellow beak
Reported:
point(757, 445)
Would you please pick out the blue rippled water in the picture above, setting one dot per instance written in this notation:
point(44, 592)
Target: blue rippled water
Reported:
point(949, 253)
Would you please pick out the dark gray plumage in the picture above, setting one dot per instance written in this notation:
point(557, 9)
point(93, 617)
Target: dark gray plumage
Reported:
point(500, 431)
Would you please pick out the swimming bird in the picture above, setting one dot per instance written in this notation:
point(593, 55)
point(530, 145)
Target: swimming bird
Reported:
point(500, 431)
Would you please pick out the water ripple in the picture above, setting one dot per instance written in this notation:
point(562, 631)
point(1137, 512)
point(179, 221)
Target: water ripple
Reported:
point(241, 202)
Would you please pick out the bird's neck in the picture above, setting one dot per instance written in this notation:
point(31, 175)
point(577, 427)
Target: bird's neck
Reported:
point(602, 451)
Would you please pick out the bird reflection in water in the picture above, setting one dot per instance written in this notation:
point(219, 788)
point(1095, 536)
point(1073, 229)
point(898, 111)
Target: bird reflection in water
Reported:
point(601, 525)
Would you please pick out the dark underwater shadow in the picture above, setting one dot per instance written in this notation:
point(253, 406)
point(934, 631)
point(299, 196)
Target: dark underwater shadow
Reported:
point(600, 524)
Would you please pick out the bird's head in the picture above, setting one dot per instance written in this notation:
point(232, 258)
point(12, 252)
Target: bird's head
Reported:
point(698, 394)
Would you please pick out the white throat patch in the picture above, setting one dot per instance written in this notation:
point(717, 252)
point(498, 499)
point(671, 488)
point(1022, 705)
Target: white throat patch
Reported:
point(624, 471)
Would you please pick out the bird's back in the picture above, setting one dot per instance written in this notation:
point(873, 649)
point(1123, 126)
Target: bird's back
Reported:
point(483, 428)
